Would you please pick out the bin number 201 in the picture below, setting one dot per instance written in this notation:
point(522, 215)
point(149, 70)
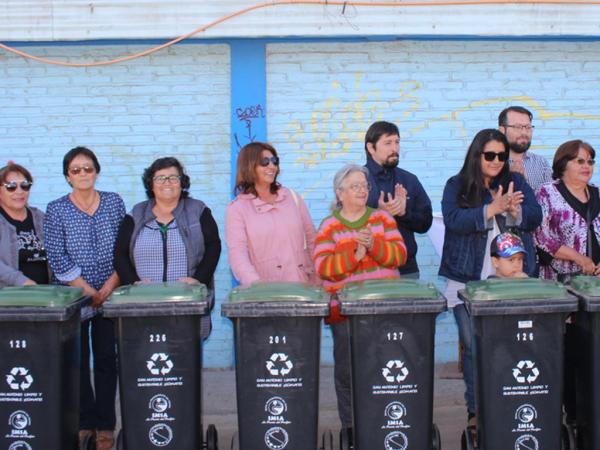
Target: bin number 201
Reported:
point(277, 339)
point(158, 338)
point(18, 344)
point(524, 336)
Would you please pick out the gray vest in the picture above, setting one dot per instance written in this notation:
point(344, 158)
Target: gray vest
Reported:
point(188, 214)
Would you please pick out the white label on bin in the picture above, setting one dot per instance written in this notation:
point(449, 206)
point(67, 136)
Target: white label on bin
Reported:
point(159, 364)
point(160, 435)
point(19, 378)
point(526, 372)
point(276, 438)
point(525, 324)
point(394, 412)
point(279, 364)
point(396, 440)
point(159, 404)
point(526, 414)
point(527, 442)
point(19, 420)
point(394, 371)
point(275, 407)
point(20, 445)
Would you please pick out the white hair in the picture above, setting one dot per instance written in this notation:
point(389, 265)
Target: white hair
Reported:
point(340, 178)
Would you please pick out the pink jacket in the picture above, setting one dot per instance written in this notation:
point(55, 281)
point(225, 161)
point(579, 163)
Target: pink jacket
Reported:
point(267, 241)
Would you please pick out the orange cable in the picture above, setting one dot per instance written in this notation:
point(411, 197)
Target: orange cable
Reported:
point(311, 2)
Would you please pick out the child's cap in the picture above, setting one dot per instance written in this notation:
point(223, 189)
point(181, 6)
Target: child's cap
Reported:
point(506, 244)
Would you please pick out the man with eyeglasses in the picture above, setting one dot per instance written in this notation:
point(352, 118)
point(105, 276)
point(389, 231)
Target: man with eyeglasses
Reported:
point(396, 191)
point(515, 123)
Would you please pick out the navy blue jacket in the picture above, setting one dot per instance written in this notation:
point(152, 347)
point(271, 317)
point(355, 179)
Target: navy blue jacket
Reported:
point(467, 231)
point(418, 216)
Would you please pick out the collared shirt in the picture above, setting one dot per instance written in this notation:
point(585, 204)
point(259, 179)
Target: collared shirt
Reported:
point(537, 169)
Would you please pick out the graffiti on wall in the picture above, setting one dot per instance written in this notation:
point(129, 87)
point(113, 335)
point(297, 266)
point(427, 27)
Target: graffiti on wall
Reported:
point(247, 115)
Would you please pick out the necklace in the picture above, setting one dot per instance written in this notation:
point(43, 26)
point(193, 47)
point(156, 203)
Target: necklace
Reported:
point(80, 205)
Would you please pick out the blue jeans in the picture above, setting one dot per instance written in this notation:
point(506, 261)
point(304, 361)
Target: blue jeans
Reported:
point(463, 320)
point(97, 404)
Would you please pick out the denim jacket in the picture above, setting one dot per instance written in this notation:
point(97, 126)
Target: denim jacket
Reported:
point(467, 231)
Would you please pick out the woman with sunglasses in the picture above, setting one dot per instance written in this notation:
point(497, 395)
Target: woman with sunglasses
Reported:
point(269, 233)
point(80, 230)
point(479, 203)
point(170, 236)
point(355, 243)
point(22, 253)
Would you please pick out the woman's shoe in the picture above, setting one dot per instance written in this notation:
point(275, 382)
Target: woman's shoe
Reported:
point(105, 440)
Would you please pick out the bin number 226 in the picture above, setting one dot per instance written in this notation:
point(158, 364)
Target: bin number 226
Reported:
point(158, 338)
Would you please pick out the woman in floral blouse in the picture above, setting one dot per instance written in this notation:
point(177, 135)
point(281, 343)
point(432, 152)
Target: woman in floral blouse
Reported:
point(81, 229)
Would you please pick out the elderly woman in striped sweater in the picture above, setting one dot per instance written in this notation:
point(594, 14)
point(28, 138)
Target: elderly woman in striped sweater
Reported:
point(355, 243)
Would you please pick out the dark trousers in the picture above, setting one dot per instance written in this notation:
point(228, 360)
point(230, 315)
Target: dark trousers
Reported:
point(97, 404)
point(341, 371)
point(570, 378)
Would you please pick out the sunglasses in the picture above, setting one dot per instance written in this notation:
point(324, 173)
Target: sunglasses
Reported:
point(273, 159)
point(12, 187)
point(582, 161)
point(490, 156)
point(87, 169)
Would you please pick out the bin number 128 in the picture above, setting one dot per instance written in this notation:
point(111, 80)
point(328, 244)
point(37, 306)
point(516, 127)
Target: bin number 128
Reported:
point(18, 344)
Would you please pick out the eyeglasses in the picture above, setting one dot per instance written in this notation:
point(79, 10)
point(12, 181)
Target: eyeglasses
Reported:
point(357, 187)
point(87, 169)
point(521, 127)
point(490, 156)
point(173, 179)
point(273, 159)
point(582, 161)
point(12, 187)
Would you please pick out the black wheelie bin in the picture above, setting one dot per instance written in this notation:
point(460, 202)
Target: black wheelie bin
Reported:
point(392, 341)
point(159, 340)
point(277, 334)
point(587, 326)
point(39, 361)
point(517, 328)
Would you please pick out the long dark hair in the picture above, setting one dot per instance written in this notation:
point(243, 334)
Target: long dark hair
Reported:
point(249, 157)
point(472, 182)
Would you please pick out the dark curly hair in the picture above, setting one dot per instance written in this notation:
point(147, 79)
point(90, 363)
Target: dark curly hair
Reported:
point(165, 163)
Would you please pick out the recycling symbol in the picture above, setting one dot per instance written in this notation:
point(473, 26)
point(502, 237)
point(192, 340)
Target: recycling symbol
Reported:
point(394, 364)
point(285, 365)
point(529, 366)
point(166, 366)
point(23, 374)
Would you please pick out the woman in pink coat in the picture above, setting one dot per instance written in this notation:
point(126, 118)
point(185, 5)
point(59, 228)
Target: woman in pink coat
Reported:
point(269, 233)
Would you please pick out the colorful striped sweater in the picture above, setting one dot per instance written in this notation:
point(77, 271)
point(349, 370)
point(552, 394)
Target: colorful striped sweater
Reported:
point(334, 252)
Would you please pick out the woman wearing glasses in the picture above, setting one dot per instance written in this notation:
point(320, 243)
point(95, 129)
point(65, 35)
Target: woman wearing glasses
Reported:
point(479, 203)
point(269, 233)
point(170, 236)
point(355, 243)
point(80, 230)
point(22, 254)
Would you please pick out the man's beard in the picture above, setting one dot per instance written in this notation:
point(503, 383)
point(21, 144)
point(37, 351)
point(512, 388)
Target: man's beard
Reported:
point(389, 164)
point(519, 148)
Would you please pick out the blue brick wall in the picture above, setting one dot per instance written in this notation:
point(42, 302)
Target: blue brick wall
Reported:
point(321, 97)
point(172, 103)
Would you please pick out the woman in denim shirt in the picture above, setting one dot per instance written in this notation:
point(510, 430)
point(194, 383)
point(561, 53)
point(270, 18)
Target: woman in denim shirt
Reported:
point(484, 199)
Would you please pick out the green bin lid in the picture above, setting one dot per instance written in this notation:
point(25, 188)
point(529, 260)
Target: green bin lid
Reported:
point(278, 292)
point(587, 285)
point(514, 289)
point(43, 295)
point(171, 291)
point(387, 288)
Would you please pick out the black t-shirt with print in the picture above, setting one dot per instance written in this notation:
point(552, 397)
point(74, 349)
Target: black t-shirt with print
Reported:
point(32, 254)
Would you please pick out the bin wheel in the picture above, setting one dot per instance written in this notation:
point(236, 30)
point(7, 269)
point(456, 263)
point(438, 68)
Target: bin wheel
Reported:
point(327, 440)
point(235, 441)
point(212, 438)
point(436, 440)
point(88, 442)
point(120, 440)
point(345, 439)
point(466, 441)
point(568, 438)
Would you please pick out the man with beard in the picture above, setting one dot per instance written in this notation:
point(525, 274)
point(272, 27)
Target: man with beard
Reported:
point(515, 123)
point(396, 191)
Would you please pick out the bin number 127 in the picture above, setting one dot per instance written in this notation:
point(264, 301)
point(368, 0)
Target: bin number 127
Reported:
point(395, 336)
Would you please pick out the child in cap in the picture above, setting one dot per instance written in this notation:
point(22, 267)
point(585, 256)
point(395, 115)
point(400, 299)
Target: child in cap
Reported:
point(507, 256)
